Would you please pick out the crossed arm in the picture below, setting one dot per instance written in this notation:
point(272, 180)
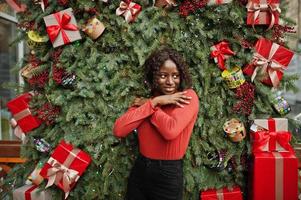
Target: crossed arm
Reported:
point(168, 125)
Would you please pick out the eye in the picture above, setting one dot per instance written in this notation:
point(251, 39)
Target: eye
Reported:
point(162, 75)
point(176, 76)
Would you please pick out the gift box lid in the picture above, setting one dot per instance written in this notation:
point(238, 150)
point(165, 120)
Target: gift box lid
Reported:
point(272, 124)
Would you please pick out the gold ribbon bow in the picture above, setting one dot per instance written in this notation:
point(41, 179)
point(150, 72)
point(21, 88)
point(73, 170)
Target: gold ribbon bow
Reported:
point(14, 123)
point(17, 130)
point(264, 6)
point(267, 65)
point(60, 172)
point(128, 10)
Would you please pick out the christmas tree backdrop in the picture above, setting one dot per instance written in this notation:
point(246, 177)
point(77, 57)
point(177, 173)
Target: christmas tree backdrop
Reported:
point(81, 88)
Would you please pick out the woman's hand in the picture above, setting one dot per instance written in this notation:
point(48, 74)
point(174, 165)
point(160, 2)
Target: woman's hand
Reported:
point(138, 101)
point(178, 98)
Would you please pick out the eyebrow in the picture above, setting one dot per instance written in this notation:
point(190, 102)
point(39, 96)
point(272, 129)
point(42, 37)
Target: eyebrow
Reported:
point(167, 72)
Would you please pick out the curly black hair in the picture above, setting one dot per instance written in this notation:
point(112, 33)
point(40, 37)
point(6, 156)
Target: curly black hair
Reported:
point(156, 60)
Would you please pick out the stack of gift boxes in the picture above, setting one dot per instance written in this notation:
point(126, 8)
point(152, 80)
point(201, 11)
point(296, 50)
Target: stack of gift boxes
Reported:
point(274, 168)
point(64, 167)
point(273, 171)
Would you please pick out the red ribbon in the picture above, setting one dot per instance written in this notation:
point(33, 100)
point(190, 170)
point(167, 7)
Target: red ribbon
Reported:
point(220, 52)
point(63, 24)
point(262, 138)
point(271, 125)
point(28, 192)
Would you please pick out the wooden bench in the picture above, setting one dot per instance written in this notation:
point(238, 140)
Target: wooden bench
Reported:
point(10, 154)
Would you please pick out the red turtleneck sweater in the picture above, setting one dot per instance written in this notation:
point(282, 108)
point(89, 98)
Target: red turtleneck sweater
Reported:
point(163, 131)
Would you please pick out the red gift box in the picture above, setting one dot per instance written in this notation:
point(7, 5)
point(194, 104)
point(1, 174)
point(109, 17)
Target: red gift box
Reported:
point(222, 194)
point(129, 10)
point(31, 192)
point(270, 135)
point(274, 176)
point(220, 52)
point(62, 28)
point(65, 166)
point(269, 61)
point(21, 113)
point(263, 12)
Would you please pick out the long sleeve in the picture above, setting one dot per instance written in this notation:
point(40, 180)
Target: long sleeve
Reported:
point(171, 125)
point(132, 119)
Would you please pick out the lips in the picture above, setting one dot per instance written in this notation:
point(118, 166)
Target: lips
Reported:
point(169, 90)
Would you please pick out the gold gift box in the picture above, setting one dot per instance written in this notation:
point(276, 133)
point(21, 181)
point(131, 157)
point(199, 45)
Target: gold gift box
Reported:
point(166, 4)
point(94, 28)
point(26, 71)
point(233, 77)
point(235, 130)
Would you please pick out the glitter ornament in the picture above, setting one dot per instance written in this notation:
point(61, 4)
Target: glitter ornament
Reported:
point(281, 105)
point(217, 160)
point(42, 145)
point(69, 80)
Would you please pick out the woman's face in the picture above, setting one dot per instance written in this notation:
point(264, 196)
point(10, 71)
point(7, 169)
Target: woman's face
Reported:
point(168, 78)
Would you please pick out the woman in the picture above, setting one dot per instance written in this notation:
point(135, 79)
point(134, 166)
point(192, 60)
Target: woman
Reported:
point(164, 123)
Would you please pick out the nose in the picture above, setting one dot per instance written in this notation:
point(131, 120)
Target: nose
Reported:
point(169, 80)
